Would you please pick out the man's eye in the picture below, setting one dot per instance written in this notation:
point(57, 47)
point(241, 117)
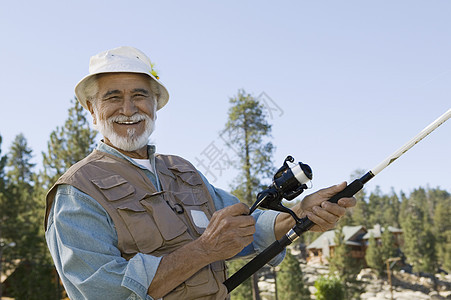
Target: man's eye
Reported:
point(113, 98)
point(139, 98)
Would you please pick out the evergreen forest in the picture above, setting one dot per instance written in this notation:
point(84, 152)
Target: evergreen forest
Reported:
point(423, 215)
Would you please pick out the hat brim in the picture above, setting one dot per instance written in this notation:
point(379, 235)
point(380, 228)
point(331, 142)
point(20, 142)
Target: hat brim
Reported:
point(81, 86)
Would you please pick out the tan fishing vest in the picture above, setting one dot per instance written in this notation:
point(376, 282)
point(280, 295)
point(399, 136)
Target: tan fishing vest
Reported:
point(146, 220)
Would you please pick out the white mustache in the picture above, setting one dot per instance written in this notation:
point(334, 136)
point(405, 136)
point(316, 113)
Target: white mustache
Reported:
point(134, 118)
point(130, 142)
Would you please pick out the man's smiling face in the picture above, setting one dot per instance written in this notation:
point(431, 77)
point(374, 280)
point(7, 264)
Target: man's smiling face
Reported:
point(124, 110)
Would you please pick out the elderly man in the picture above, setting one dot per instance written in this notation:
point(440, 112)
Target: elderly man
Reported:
point(126, 223)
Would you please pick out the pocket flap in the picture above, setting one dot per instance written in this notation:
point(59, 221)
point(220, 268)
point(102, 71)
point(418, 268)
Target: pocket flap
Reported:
point(144, 232)
point(201, 277)
point(190, 198)
point(132, 206)
point(109, 182)
point(191, 178)
point(187, 174)
point(114, 187)
point(169, 225)
point(181, 168)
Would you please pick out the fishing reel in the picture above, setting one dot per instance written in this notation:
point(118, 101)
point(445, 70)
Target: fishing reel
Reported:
point(288, 183)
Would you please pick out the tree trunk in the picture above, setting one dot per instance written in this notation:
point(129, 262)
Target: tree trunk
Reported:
point(247, 163)
point(255, 289)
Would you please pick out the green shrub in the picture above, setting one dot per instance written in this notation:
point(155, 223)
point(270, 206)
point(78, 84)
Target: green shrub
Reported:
point(329, 288)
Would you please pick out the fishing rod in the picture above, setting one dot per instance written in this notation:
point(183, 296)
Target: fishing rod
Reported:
point(290, 181)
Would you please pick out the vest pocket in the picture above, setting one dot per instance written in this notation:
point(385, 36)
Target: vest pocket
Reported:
point(153, 226)
point(114, 187)
point(142, 228)
point(169, 225)
point(198, 286)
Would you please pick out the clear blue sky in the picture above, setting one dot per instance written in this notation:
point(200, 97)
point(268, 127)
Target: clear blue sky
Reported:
point(351, 81)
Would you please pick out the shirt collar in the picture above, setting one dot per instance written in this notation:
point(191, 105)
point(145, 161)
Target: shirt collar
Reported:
point(101, 146)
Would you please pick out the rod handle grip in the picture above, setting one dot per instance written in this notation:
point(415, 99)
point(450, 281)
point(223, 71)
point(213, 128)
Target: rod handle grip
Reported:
point(306, 224)
point(256, 263)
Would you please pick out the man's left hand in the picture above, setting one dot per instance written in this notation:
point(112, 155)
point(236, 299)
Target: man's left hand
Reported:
point(323, 213)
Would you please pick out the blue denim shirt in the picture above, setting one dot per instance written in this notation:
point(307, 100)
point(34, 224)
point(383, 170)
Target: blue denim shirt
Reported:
point(83, 243)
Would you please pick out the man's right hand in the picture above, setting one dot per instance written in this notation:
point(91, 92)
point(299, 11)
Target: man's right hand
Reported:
point(229, 231)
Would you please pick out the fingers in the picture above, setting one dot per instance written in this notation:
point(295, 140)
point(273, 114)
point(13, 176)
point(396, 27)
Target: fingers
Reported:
point(229, 231)
point(322, 195)
point(334, 208)
point(320, 224)
point(323, 213)
point(238, 225)
point(235, 210)
point(327, 215)
point(238, 209)
point(347, 202)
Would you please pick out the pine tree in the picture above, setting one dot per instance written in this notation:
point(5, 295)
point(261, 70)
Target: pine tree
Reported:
point(412, 227)
point(445, 256)
point(359, 213)
point(391, 209)
point(32, 272)
point(5, 228)
point(344, 266)
point(18, 207)
point(68, 144)
point(373, 256)
point(375, 204)
point(290, 280)
point(20, 188)
point(3, 184)
point(247, 131)
point(442, 228)
point(383, 209)
point(388, 246)
point(419, 242)
point(428, 262)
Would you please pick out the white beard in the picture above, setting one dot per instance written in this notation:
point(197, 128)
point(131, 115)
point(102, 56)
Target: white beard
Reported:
point(131, 142)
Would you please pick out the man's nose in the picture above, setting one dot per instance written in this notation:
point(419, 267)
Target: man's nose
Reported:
point(129, 108)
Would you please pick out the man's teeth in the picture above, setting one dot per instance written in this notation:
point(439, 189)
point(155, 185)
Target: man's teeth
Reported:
point(128, 123)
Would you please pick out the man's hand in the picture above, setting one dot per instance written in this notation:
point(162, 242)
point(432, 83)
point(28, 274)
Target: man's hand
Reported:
point(323, 213)
point(229, 231)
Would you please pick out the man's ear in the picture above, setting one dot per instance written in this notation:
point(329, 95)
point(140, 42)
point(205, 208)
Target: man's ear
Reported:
point(91, 110)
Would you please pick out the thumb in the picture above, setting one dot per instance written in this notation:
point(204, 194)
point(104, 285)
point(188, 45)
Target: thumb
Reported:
point(330, 191)
point(321, 195)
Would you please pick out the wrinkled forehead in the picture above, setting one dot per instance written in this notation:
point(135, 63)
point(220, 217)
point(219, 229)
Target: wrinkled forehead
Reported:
point(123, 80)
point(118, 83)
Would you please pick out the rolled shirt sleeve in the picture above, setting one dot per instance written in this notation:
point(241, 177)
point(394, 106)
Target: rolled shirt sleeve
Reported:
point(265, 221)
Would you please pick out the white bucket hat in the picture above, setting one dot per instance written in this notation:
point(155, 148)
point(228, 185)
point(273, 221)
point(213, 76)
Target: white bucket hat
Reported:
point(122, 59)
